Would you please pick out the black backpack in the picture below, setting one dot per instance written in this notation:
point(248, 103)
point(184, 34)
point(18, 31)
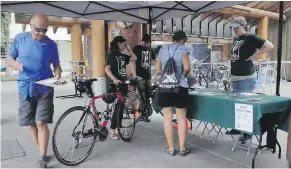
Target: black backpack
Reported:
point(170, 82)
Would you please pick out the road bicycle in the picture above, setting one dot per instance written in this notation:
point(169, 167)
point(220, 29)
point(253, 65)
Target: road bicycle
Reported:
point(98, 131)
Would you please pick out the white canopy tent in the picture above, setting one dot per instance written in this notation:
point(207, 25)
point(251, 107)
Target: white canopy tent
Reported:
point(129, 11)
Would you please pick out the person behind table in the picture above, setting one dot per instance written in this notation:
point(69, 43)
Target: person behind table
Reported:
point(180, 53)
point(119, 57)
point(32, 54)
point(245, 48)
point(144, 54)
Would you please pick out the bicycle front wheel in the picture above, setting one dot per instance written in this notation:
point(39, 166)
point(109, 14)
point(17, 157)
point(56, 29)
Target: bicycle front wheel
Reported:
point(126, 123)
point(76, 135)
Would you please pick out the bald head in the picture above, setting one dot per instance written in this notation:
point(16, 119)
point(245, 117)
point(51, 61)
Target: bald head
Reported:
point(39, 24)
point(39, 19)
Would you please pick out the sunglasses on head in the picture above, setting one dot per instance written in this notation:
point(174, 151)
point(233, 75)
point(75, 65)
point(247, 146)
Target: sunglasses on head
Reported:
point(40, 29)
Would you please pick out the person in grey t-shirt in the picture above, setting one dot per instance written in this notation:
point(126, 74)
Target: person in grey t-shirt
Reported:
point(180, 53)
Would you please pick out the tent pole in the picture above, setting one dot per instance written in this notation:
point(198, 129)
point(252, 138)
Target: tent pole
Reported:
point(106, 37)
point(279, 51)
point(150, 25)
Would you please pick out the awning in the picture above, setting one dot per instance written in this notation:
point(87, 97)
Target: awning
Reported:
point(130, 11)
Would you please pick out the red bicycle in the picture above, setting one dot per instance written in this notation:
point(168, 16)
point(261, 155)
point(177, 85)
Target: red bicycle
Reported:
point(98, 130)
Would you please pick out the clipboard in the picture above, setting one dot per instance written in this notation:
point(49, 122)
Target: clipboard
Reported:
point(53, 82)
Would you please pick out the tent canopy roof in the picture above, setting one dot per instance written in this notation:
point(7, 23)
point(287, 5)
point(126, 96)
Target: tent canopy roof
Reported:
point(130, 11)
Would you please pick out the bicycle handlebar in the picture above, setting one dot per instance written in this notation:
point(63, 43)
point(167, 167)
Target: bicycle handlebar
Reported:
point(132, 81)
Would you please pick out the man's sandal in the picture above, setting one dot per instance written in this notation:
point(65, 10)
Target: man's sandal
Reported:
point(184, 152)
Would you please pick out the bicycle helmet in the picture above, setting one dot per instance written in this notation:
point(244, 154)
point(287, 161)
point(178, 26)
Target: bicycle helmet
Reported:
point(109, 99)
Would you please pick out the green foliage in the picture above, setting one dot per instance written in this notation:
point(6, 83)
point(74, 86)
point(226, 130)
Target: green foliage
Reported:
point(5, 21)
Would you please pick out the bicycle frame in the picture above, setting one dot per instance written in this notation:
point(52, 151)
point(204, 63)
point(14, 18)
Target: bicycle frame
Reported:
point(118, 95)
point(91, 104)
point(140, 93)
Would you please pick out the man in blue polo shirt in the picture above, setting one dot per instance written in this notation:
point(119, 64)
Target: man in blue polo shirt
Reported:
point(32, 54)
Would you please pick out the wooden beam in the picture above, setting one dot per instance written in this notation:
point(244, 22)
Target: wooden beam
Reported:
point(252, 4)
point(250, 12)
point(274, 7)
point(261, 5)
point(192, 39)
point(269, 5)
point(76, 47)
point(53, 21)
point(287, 10)
point(98, 47)
point(263, 33)
point(111, 25)
point(287, 4)
point(287, 7)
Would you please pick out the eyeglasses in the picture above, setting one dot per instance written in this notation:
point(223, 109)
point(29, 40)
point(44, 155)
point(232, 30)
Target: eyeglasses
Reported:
point(40, 29)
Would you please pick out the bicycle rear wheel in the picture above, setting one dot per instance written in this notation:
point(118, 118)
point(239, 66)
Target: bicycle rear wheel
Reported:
point(77, 136)
point(126, 125)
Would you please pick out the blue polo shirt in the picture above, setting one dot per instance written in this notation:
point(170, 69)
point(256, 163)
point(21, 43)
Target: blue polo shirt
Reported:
point(36, 56)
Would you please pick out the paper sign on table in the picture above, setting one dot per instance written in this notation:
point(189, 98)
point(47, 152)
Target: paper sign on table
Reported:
point(244, 117)
point(210, 93)
point(193, 92)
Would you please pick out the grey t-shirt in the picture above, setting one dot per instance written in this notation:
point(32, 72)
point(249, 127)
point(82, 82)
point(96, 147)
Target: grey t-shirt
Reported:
point(177, 55)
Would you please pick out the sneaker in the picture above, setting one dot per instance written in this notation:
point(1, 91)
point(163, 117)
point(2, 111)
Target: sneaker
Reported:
point(42, 163)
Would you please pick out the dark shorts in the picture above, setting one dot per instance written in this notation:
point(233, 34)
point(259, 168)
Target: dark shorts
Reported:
point(178, 100)
point(37, 108)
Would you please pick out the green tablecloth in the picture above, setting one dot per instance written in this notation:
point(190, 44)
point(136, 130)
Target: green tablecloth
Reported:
point(220, 109)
